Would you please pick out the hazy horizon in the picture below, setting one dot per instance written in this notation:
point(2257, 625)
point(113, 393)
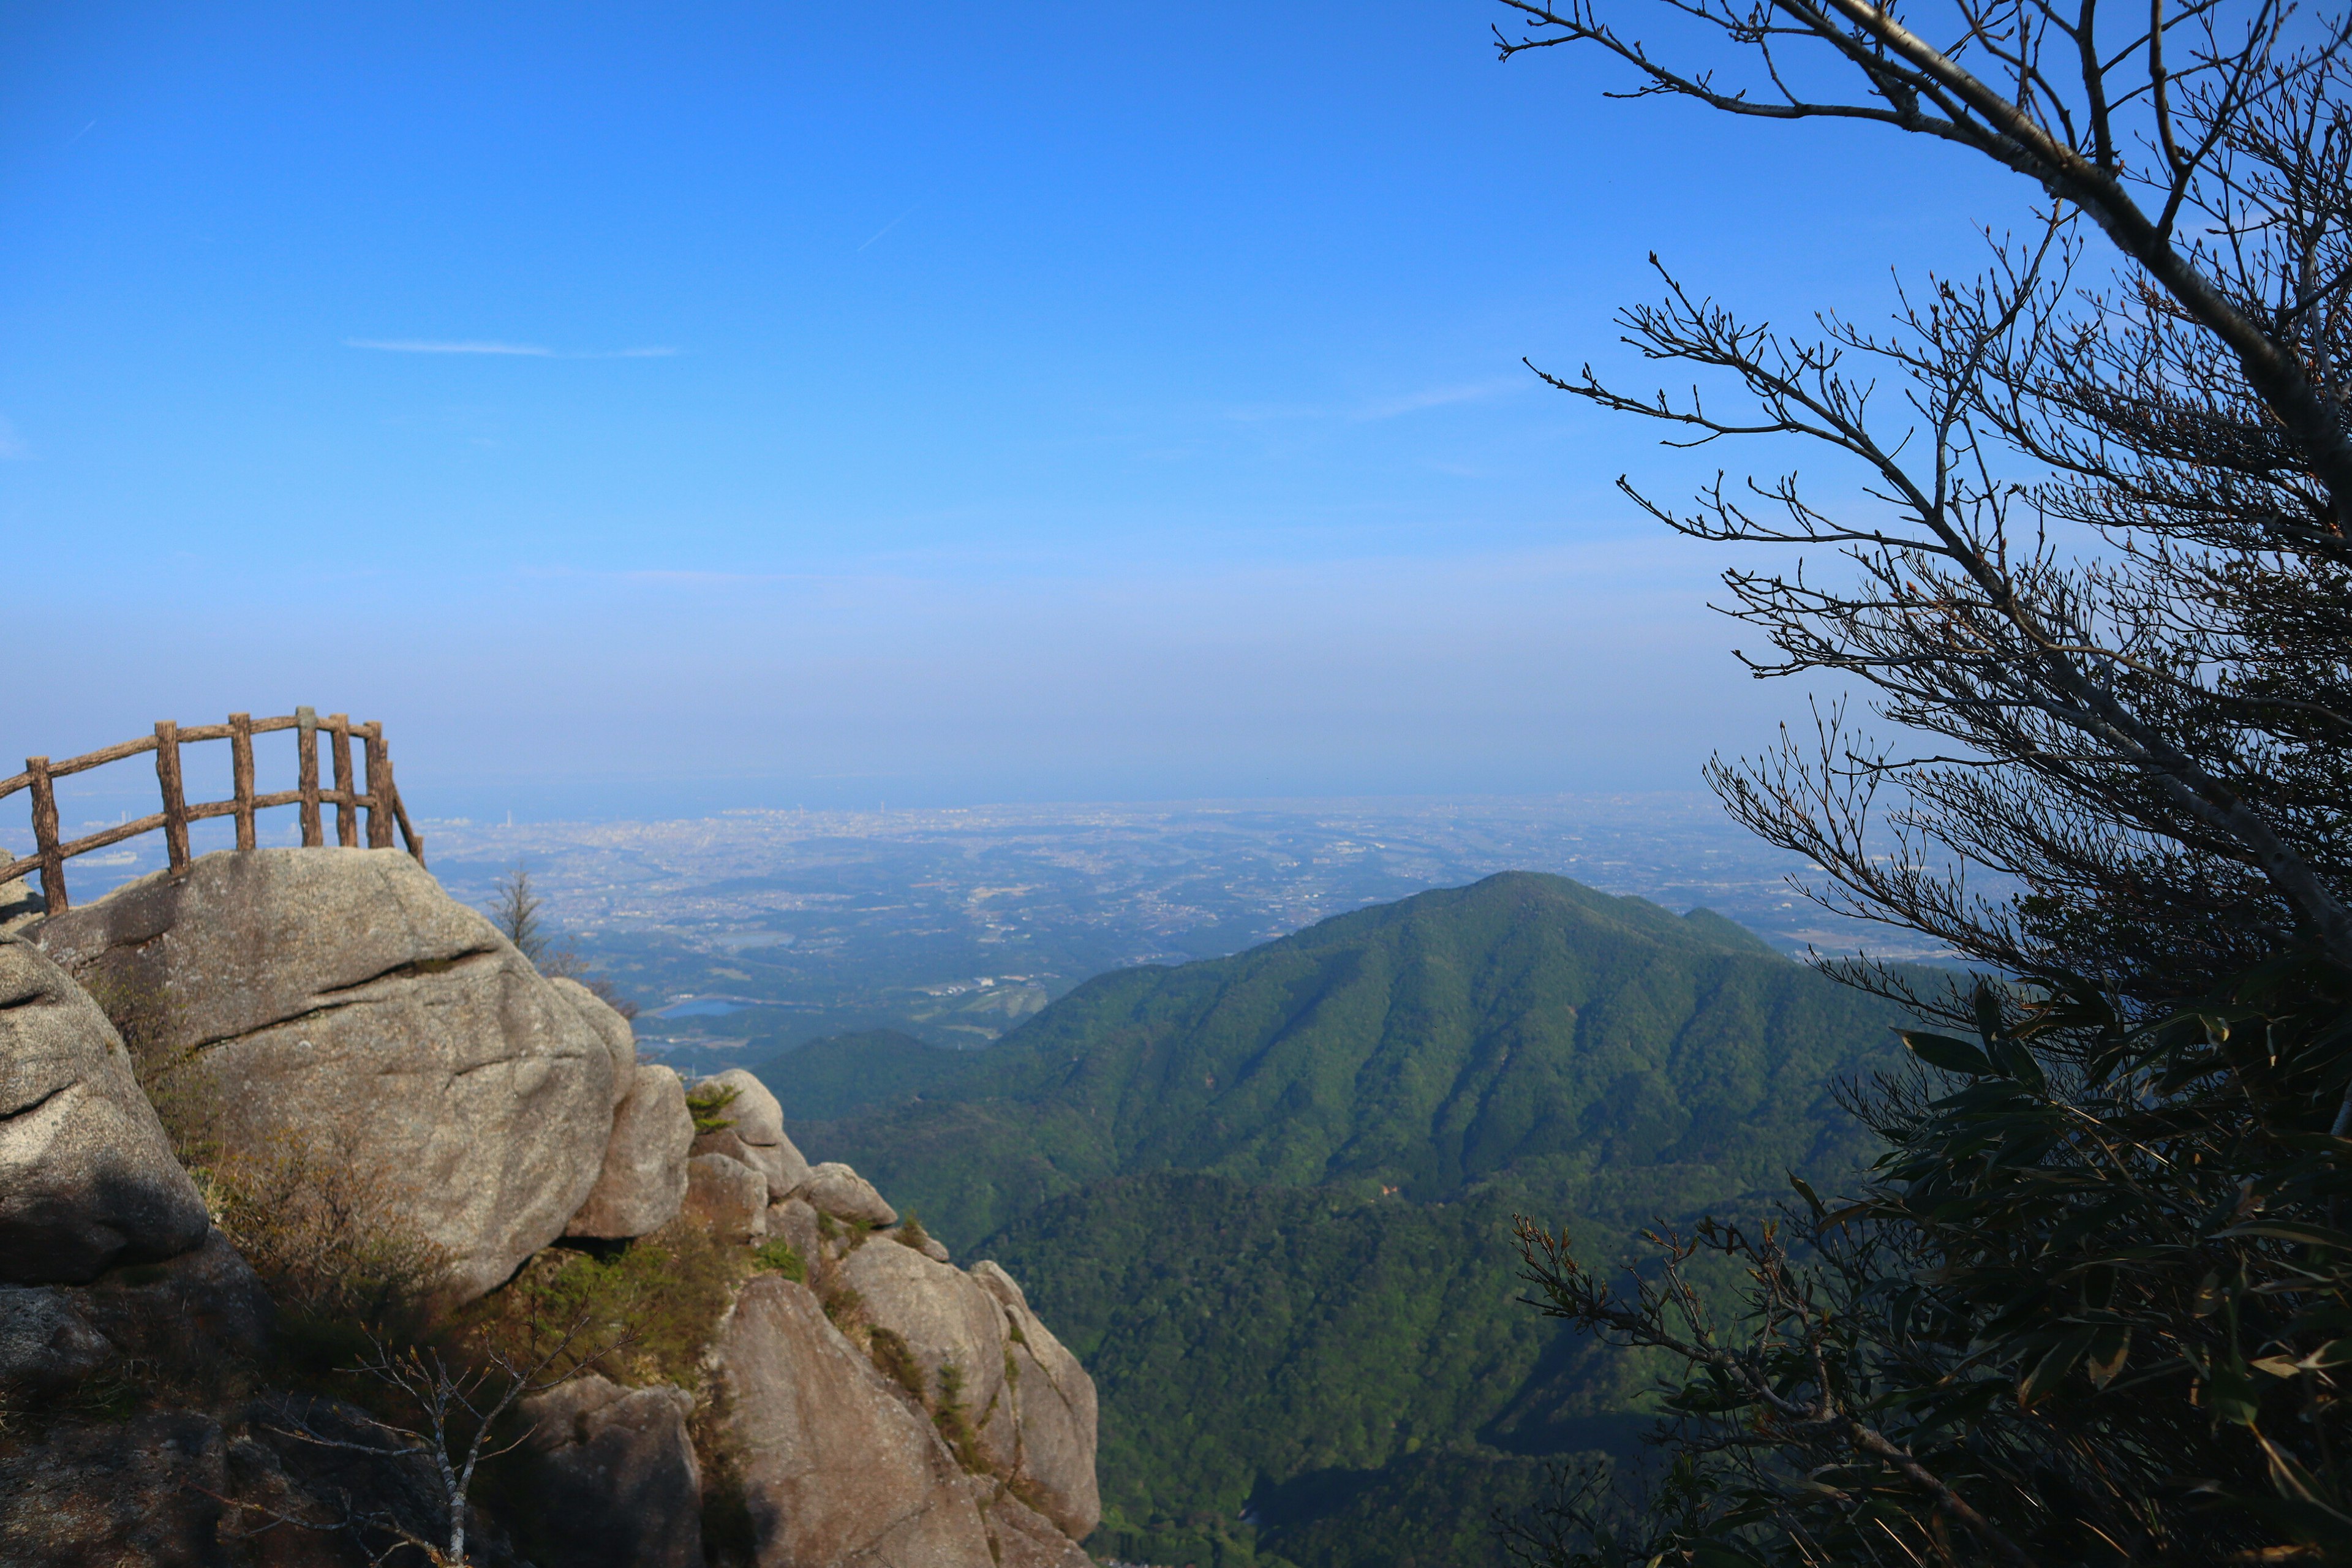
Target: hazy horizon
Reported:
point(746, 400)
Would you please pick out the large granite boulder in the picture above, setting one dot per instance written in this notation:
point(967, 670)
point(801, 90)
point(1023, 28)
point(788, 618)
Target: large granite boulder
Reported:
point(87, 1176)
point(838, 1465)
point(615, 1484)
point(834, 1188)
point(955, 1330)
point(341, 1001)
point(1028, 1402)
point(620, 1039)
point(643, 1182)
point(1056, 1404)
point(727, 1196)
point(45, 1345)
point(754, 1133)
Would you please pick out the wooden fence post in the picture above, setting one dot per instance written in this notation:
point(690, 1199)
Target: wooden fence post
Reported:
point(379, 817)
point(175, 798)
point(408, 833)
point(306, 751)
point(45, 836)
point(347, 813)
point(240, 767)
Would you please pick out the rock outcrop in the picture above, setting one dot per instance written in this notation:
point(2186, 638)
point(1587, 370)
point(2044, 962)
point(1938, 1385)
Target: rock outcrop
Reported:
point(754, 1133)
point(838, 1465)
point(643, 1183)
point(615, 1484)
point(339, 999)
point(1058, 1413)
point(46, 1346)
point(834, 1188)
point(728, 1196)
point(1028, 1404)
point(87, 1176)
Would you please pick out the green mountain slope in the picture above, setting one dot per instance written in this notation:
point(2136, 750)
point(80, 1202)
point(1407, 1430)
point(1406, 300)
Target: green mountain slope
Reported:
point(1525, 1024)
point(1267, 1198)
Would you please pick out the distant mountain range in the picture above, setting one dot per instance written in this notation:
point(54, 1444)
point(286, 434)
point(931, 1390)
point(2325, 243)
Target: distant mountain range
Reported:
point(1267, 1198)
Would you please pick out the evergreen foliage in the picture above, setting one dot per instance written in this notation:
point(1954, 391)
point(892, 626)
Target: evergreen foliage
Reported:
point(1267, 1198)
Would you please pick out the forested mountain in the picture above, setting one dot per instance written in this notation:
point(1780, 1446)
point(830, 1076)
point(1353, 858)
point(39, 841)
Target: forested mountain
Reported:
point(1270, 1195)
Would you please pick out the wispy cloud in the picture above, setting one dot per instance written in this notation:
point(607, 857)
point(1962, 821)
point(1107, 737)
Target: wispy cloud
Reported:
point(12, 446)
point(527, 350)
point(421, 347)
point(888, 227)
point(1439, 397)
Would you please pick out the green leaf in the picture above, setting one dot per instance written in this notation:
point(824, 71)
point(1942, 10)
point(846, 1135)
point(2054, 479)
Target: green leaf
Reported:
point(1945, 1052)
point(1805, 1191)
point(2108, 1354)
point(2051, 1369)
point(2289, 1230)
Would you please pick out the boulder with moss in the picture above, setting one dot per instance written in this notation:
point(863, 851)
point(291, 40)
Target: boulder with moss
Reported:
point(88, 1178)
point(339, 1000)
point(642, 1183)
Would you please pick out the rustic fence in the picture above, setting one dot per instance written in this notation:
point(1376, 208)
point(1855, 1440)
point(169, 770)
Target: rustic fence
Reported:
point(380, 799)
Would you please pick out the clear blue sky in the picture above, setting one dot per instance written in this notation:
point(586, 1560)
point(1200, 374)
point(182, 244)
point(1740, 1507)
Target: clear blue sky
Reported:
point(847, 402)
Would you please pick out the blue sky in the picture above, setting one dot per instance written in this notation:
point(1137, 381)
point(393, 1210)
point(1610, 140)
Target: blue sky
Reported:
point(643, 409)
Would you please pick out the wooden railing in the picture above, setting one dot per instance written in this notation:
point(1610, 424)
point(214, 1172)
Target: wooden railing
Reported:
point(380, 800)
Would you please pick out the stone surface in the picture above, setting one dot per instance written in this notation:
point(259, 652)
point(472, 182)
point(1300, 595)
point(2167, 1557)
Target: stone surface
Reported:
point(140, 1493)
point(1058, 1409)
point(643, 1183)
point(834, 1188)
point(206, 1306)
point(795, 1222)
point(780, 1163)
point(838, 1468)
point(1023, 1537)
point(45, 1345)
point(947, 1320)
point(339, 999)
point(20, 904)
point(87, 1176)
point(728, 1196)
point(755, 1120)
point(620, 1039)
point(615, 1483)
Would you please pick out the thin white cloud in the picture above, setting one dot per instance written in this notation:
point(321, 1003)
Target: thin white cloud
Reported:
point(418, 346)
point(13, 449)
point(527, 350)
point(1439, 396)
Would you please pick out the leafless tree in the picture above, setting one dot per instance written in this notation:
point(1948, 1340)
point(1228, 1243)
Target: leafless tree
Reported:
point(2097, 566)
point(515, 911)
point(454, 1410)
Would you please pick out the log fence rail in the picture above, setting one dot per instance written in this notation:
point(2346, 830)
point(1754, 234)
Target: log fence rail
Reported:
point(380, 799)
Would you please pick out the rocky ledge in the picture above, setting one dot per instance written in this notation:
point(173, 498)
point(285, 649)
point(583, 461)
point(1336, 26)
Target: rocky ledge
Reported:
point(328, 1030)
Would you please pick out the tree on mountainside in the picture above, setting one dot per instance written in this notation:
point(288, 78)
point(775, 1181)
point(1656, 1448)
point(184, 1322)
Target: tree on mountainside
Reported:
point(2151, 740)
point(2094, 1304)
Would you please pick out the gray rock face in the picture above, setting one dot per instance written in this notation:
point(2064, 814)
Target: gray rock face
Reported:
point(953, 1327)
point(728, 1196)
point(45, 1345)
point(754, 1133)
point(203, 1305)
point(839, 1469)
point(1023, 1537)
point(1029, 1403)
point(339, 999)
point(620, 1039)
point(1058, 1415)
point(795, 1222)
point(643, 1183)
point(834, 1188)
point(616, 1483)
point(87, 1176)
point(20, 905)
